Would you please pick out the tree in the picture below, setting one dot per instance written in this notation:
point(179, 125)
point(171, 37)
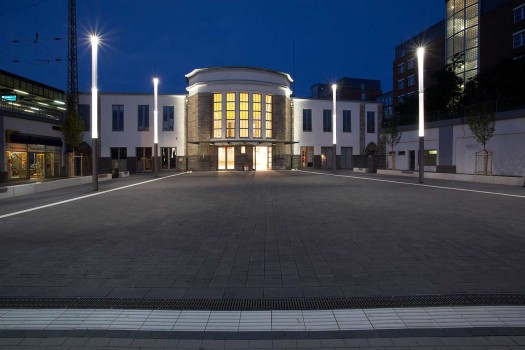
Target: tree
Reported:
point(73, 130)
point(391, 137)
point(482, 123)
point(446, 89)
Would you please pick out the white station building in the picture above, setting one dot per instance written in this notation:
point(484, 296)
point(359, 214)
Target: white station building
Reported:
point(232, 118)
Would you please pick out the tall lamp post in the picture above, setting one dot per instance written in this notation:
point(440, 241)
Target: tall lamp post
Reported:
point(155, 128)
point(334, 128)
point(420, 59)
point(94, 110)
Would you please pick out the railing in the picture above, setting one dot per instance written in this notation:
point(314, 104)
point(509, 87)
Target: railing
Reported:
point(497, 106)
point(20, 107)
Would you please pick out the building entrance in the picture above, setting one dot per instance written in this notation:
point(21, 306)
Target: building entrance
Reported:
point(226, 158)
point(262, 158)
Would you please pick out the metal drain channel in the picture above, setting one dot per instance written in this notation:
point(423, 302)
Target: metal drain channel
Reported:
point(265, 304)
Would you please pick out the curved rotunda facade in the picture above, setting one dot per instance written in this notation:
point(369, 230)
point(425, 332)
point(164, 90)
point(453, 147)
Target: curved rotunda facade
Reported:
point(239, 119)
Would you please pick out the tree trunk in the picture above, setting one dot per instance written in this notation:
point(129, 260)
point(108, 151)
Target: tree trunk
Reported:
point(485, 160)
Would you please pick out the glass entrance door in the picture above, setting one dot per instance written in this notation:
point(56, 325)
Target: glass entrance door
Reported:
point(226, 158)
point(36, 166)
point(262, 158)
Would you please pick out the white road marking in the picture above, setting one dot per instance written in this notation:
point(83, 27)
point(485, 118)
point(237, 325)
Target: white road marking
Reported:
point(415, 184)
point(82, 197)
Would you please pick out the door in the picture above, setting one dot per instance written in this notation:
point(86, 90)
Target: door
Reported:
point(326, 157)
point(144, 159)
point(36, 167)
point(169, 157)
point(262, 158)
point(226, 158)
point(346, 157)
point(307, 157)
point(412, 160)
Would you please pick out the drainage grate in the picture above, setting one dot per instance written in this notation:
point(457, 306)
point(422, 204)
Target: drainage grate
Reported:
point(265, 304)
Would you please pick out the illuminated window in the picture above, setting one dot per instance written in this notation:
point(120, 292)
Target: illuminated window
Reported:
point(243, 114)
point(257, 115)
point(430, 157)
point(230, 114)
point(217, 115)
point(269, 133)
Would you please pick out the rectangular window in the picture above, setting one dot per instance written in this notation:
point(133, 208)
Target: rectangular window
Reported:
point(230, 114)
point(518, 39)
point(85, 115)
point(411, 63)
point(411, 81)
point(401, 68)
point(519, 13)
point(307, 120)
point(400, 98)
point(243, 114)
point(119, 157)
point(370, 122)
point(430, 157)
point(167, 118)
point(118, 118)
point(217, 115)
point(143, 118)
point(269, 117)
point(327, 120)
point(257, 115)
point(401, 84)
point(347, 121)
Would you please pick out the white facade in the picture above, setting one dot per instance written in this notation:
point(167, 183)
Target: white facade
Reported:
point(455, 146)
point(130, 137)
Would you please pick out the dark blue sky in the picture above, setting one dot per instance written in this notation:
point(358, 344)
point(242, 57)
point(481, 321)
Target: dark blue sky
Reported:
point(169, 38)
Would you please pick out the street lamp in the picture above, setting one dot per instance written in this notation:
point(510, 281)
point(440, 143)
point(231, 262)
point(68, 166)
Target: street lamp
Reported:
point(420, 59)
point(155, 128)
point(334, 128)
point(94, 109)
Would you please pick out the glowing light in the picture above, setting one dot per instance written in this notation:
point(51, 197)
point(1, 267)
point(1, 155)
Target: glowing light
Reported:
point(59, 102)
point(420, 69)
point(21, 92)
point(155, 111)
point(334, 114)
point(34, 108)
point(42, 103)
point(94, 89)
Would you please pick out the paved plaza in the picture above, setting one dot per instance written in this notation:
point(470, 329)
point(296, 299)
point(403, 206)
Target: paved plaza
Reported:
point(264, 235)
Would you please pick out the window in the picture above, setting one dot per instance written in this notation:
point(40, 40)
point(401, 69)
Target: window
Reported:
point(84, 114)
point(118, 118)
point(401, 84)
point(518, 39)
point(370, 122)
point(429, 157)
point(411, 81)
point(257, 115)
point(411, 63)
point(400, 98)
point(347, 121)
point(327, 120)
point(307, 120)
point(167, 118)
point(401, 68)
point(143, 118)
point(401, 153)
point(519, 13)
point(230, 114)
point(269, 122)
point(119, 156)
point(243, 114)
point(217, 115)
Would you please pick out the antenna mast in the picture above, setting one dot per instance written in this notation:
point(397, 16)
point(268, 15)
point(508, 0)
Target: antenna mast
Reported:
point(72, 59)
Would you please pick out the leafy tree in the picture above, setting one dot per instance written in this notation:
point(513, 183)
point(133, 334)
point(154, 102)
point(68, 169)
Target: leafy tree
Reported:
point(391, 137)
point(73, 130)
point(446, 89)
point(482, 123)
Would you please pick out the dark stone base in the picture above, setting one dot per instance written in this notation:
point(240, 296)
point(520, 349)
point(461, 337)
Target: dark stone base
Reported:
point(3, 176)
point(449, 169)
point(296, 161)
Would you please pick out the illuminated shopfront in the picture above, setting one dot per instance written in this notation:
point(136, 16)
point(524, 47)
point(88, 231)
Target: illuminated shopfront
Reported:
point(33, 161)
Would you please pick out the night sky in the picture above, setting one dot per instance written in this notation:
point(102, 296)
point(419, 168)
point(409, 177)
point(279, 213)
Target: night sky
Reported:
point(170, 38)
